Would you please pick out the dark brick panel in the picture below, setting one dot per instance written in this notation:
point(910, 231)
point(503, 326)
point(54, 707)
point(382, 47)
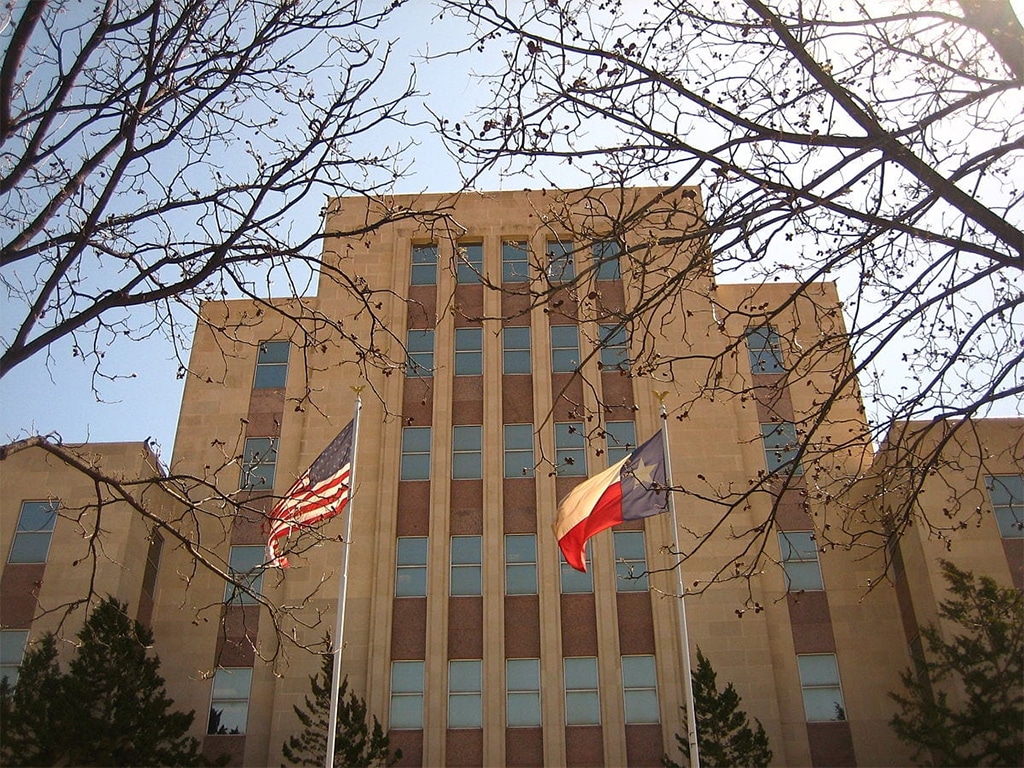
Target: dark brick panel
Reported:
point(517, 399)
point(422, 305)
point(467, 503)
point(469, 301)
point(579, 625)
point(524, 747)
point(464, 747)
point(19, 589)
point(411, 744)
point(465, 628)
point(413, 517)
point(418, 402)
point(617, 393)
point(520, 505)
point(522, 627)
point(409, 628)
point(237, 637)
point(468, 400)
point(636, 623)
point(515, 307)
point(217, 746)
point(831, 744)
point(644, 745)
point(812, 622)
point(584, 745)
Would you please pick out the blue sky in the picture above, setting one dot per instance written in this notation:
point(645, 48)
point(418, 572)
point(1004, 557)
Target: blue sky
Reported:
point(56, 392)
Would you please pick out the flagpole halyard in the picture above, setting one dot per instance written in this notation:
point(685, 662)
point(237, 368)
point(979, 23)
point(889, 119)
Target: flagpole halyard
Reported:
point(339, 628)
point(691, 713)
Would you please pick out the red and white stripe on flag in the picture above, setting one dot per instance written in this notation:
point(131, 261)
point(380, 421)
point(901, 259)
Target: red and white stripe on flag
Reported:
point(320, 493)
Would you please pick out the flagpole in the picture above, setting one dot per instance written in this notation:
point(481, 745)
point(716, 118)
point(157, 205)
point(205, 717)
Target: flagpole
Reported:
point(339, 628)
point(691, 713)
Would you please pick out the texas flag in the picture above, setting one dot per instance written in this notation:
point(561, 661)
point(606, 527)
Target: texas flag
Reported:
point(636, 487)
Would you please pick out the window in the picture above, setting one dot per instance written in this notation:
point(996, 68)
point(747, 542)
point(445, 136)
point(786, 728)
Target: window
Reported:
point(620, 437)
point(467, 457)
point(229, 707)
point(464, 699)
point(470, 264)
point(419, 361)
point(561, 268)
point(582, 704)
point(571, 580)
point(800, 561)
point(259, 463)
point(565, 348)
point(271, 365)
point(606, 254)
point(424, 264)
point(515, 262)
point(156, 547)
point(35, 527)
point(519, 450)
point(515, 350)
point(765, 350)
point(411, 570)
point(640, 689)
point(781, 447)
point(469, 357)
point(1007, 495)
point(12, 651)
point(245, 565)
point(521, 564)
point(522, 692)
point(819, 681)
point(415, 453)
point(570, 448)
point(406, 694)
point(466, 565)
point(614, 354)
point(630, 561)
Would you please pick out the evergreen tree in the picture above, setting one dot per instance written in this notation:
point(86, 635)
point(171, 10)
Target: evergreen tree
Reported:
point(110, 708)
point(724, 735)
point(985, 661)
point(356, 744)
point(31, 712)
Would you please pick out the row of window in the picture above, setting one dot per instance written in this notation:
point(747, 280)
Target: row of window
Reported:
point(781, 449)
point(466, 566)
point(559, 262)
point(799, 553)
point(763, 346)
point(516, 350)
point(819, 685)
point(246, 562)
point(259, 458)
point(467, 449)
point(523, 692)
point(245, 565)
point(229, 701)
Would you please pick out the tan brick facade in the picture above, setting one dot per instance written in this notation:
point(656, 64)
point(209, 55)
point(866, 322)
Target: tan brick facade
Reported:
point(715, 442)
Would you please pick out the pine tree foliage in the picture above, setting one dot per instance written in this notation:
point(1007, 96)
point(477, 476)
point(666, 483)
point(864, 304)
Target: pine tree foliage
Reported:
point(109, 709)
point(964, 702)
point(724, 735)
point(356, 743)
point(30, 712)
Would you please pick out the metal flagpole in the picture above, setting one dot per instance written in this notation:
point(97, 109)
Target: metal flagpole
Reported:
point(691, 714)
point(339, 628)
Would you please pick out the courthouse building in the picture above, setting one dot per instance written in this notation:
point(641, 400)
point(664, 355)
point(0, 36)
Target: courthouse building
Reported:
point(512, 345)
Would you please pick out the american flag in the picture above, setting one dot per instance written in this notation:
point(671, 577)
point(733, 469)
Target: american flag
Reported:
point(321, 492)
